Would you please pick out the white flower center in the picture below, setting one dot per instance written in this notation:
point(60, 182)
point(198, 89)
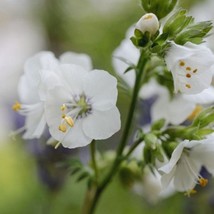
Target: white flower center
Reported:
point(78, 108)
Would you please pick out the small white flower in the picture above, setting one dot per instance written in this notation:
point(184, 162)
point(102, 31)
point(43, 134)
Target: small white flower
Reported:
point(190, 66)
point(31, 93)
point(178, 108)
point(83, 108)
point(186, 162)
point(148, 23)
point(150, 186)
point(41, 72)
point(174, 110)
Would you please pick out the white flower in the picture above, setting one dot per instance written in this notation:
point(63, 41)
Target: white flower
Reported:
point(174, 111)
point(148, 23)
point(41, 72)
point(186, 162)
point(83, 107)
point(151, 188)
point(190, 66)
point(150, 185)
point(31, 93)
point(178, 108)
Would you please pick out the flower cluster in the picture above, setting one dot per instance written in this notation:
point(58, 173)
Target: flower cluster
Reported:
point(188, 67)
point(165, 65)
point(77, 103)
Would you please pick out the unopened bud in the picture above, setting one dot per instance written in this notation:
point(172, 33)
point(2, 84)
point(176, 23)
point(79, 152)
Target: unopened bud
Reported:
point(148, 23)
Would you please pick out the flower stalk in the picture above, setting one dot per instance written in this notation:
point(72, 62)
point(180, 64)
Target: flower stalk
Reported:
point(140, 77)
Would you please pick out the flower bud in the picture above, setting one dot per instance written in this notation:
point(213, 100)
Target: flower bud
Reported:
point(161, 8)
point(148, 23)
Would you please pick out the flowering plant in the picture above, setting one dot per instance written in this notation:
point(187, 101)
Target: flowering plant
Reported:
point(166, 61)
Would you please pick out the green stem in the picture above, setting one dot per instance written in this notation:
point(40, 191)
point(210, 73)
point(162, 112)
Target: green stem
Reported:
point(93, 158)
point(140, 75)
point(133, 147)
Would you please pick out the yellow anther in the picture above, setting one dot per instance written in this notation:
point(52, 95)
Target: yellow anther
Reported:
point(63, 116)
point(148, 17)
point(203, 181)
point(188, 86)
point(188, 68)
point(190, 192)
point(188, 75)
point(195, 112)
point(194, 71)
point(17, 106)
point(63, 107)
point(62, 128)
point(182, 63)
point(69, 121)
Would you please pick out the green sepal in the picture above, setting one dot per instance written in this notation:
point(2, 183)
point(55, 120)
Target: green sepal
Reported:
point(194, 33)
point(151, 140)
point(158, 125)
point(176, 23)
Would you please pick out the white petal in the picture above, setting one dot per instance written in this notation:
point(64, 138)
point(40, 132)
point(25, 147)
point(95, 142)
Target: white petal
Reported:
point(35, 68)
point(174, 111)
point(129, 53)
point(42, 60)
point(184, 178)
point(28, 90)
point(102, 124)
point(75, 137)
point(35, 123)
point(77, 59)
point(73, 76)
point(152, 88)
point(179, 110)
point(100, 86)
point(174, 158)
point(205, 97)
point(167, 178)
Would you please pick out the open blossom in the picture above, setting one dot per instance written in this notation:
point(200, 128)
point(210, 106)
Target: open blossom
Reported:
point(178, 108)
point(83, 108)
point(149, 186)
point(186, 162)
point(190, 66)
point(148, 23)
point(31, 94)
point(40, 74)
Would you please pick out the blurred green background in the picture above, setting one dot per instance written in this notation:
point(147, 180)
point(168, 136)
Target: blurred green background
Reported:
point(95, 27)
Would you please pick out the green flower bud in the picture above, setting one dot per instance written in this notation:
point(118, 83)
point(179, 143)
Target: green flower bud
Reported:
point(160, 8)
point(129, 173)
point(151, 140)
point(159, 124)
point(170, 147)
